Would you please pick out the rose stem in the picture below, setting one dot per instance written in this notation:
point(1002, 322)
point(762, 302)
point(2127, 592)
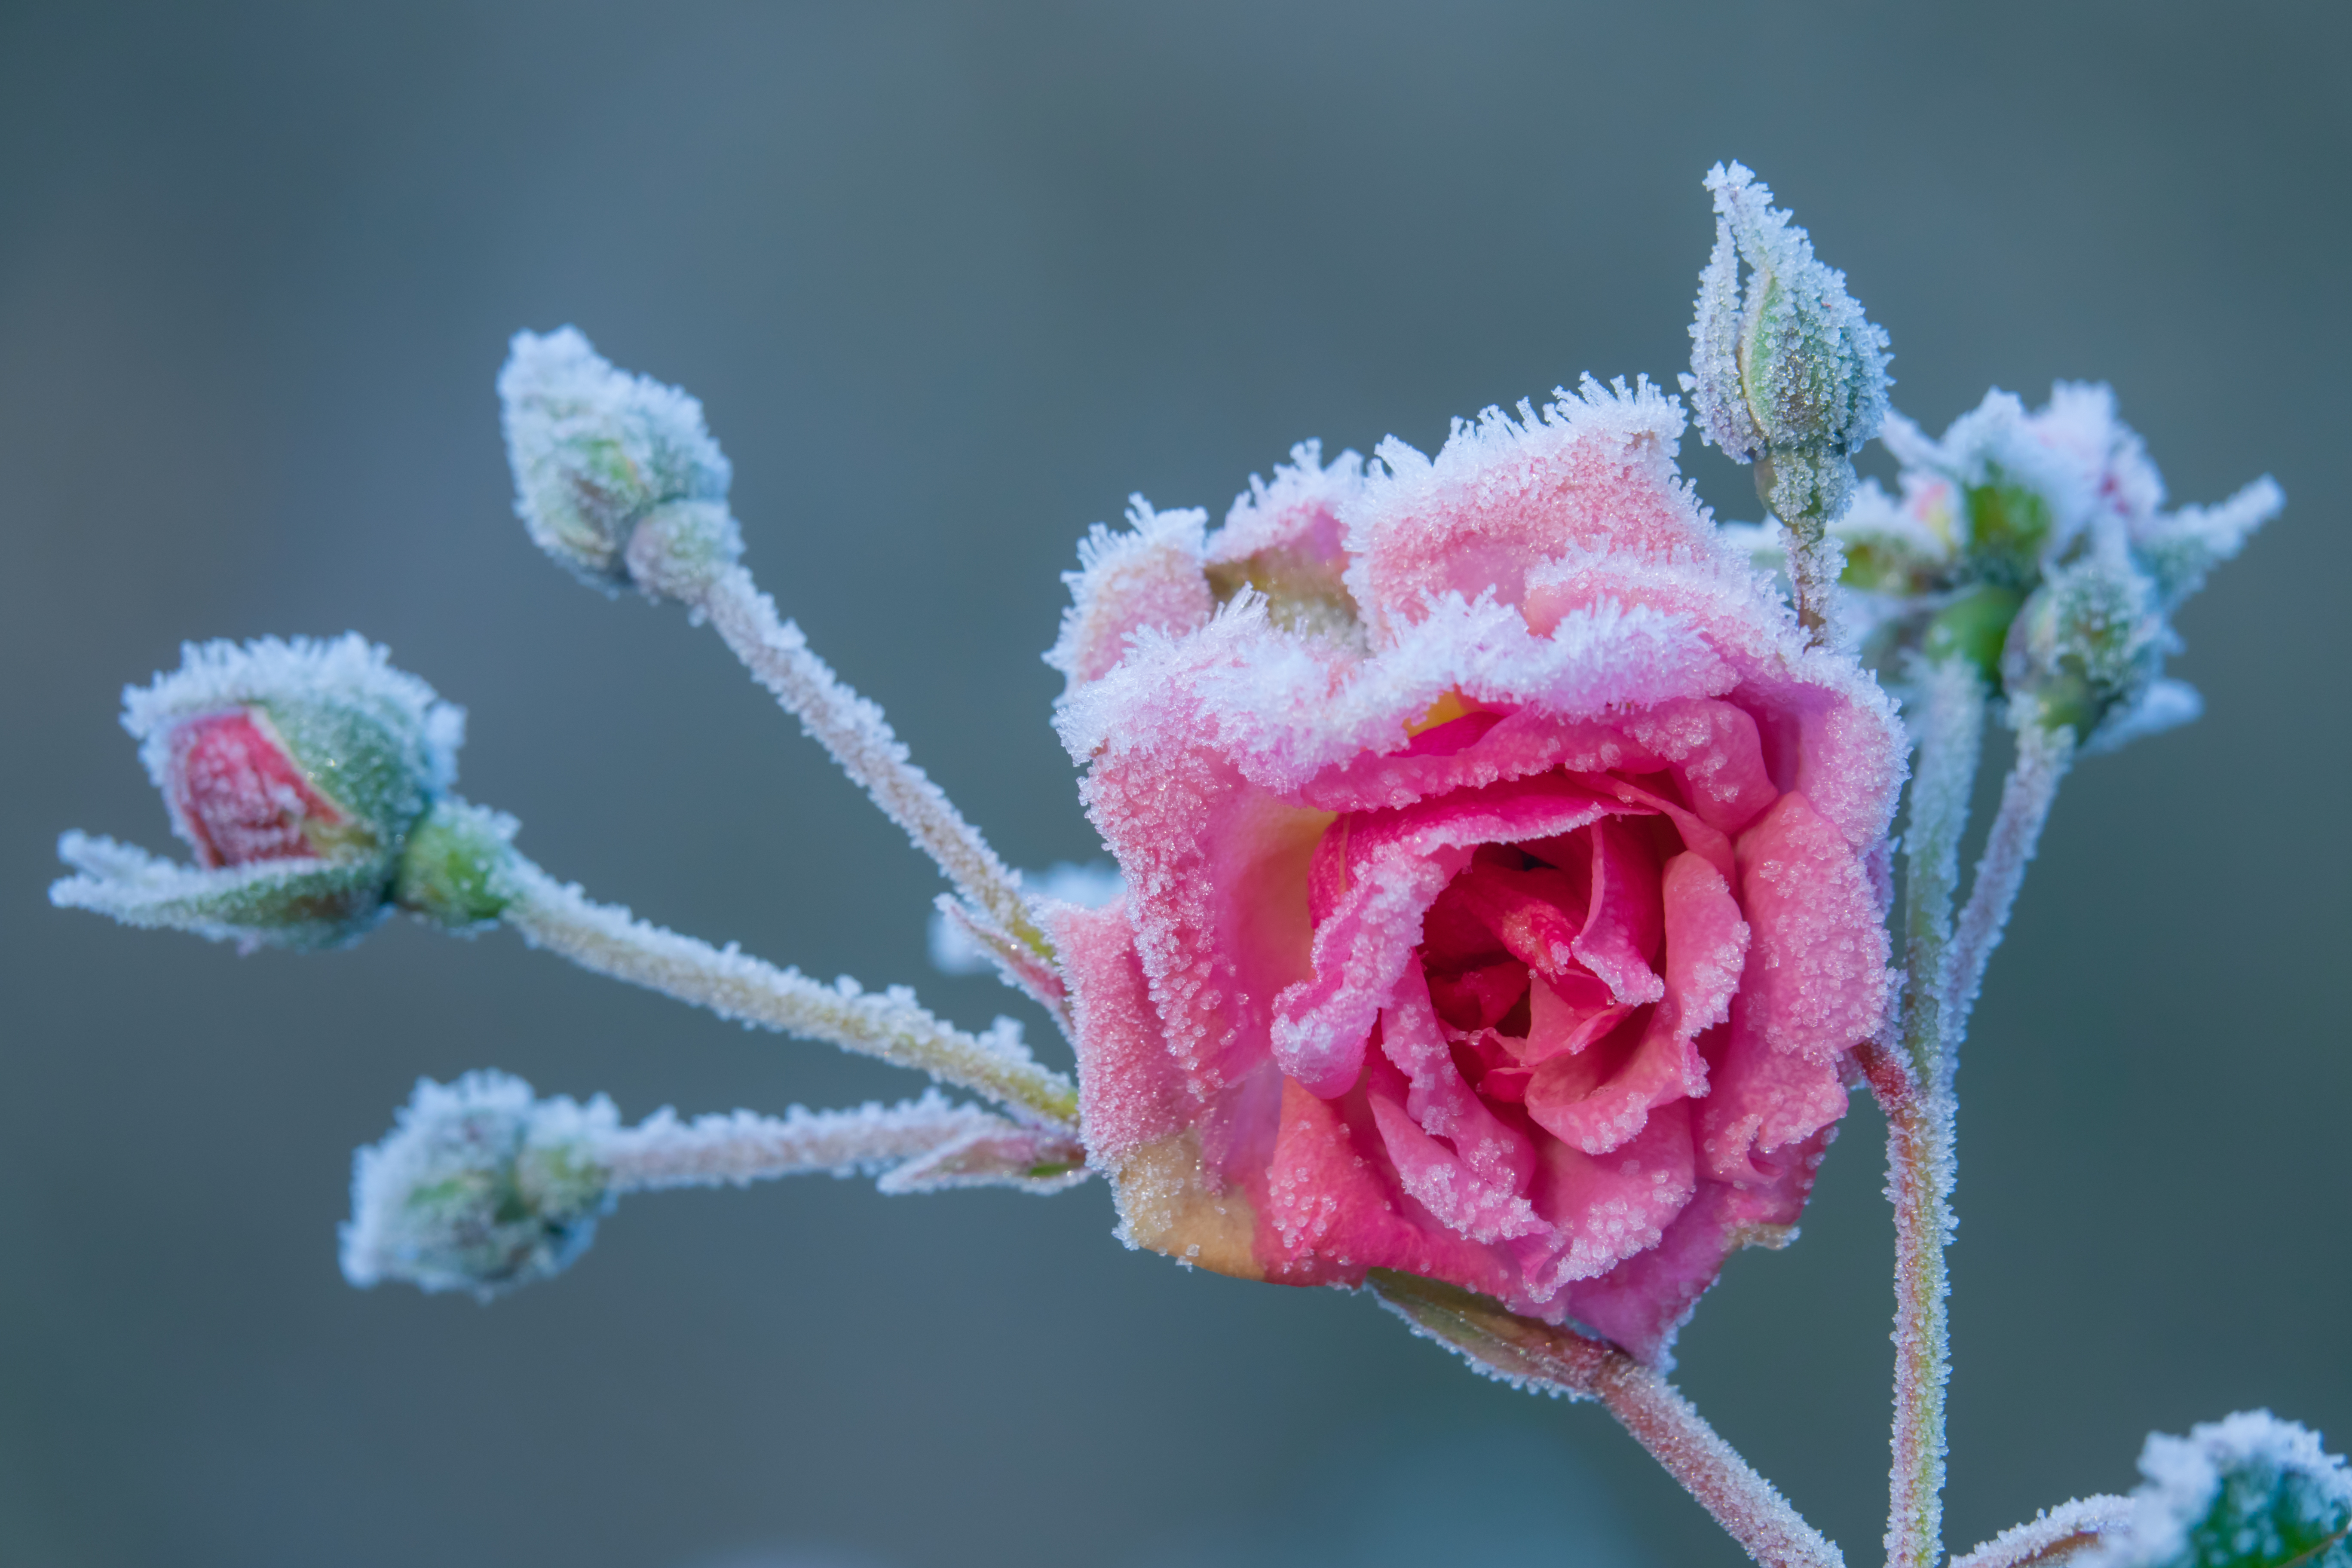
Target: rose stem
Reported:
point(1528, 1353)
point(1915, 1093)
point(859, 737)
point(890, 1025)
point(1747, 1505)
point(2044, 755)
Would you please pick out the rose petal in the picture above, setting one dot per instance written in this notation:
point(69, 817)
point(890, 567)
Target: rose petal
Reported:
point(1816, 980)
point(1624, 922)
point(1607, 1208)
point(1644, 1301)
point(1475, 1187)
point(1129, 1091)
point(1328, 1212)
point(1763, 1100)
point(1397, 863)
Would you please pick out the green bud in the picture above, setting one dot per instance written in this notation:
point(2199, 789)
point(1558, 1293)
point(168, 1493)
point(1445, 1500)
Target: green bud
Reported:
point(595, 449)
point(480, 1186)
point(2086, 646)
point(1788, 373)
point(680, 548)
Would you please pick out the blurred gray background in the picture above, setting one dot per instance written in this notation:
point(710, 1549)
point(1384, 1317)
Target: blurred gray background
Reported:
point(952, 280)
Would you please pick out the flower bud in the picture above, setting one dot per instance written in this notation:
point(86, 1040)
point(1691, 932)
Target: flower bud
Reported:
point(1790, 369)
point(295, 772)
point(2085, 649)
point(480, 1186)
point(595, 449)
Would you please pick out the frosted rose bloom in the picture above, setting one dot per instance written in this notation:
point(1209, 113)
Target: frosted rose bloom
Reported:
point(1505, 874)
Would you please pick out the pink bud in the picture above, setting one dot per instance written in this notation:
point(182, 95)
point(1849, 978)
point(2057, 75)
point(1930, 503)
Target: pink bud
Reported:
point(237, 794)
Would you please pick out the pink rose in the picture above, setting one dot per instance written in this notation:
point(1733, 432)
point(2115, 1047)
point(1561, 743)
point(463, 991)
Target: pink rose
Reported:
point(1504, 874)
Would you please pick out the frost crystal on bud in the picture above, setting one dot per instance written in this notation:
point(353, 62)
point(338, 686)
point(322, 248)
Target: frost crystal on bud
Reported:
point(480, 1186)
point(595, 451)
point(1791, 366)
point(2248, 1491)
point(295, 772)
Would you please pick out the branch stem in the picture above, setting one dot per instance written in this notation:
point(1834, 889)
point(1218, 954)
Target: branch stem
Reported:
point(854, 732)
point(1917, 1093)
point(890, 1025)
point(717, 1151)
point(1815, 564)
point(2043, 756)
point(1532, 1355)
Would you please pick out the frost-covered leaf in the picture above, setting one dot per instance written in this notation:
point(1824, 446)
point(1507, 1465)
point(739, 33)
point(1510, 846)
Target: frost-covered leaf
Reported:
point(2248, 1491)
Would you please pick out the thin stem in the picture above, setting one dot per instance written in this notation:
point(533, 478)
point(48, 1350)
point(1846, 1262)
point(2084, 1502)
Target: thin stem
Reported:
point(1920, 1107)
point(2044, 755)
point(1813, 568)
point(2054, 1536)
point(855, 732)
point(712, 1151)
point(1949, 734)
point(1919, 1170)
point(890, 1025)
point(1531, 1354)
point(1809, 488)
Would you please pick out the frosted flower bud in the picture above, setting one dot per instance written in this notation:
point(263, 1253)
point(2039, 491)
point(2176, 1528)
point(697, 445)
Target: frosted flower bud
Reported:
point(1793, 365)
point(480, 1186)
point(597, 450)
point(295, 772)
point(2248, 1491)
point(2085, 649)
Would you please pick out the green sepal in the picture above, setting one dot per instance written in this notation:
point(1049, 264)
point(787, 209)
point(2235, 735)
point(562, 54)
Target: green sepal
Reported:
point(301, 905)
point(373, 769)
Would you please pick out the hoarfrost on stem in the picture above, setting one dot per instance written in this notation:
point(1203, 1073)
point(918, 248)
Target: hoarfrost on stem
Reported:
point(483, 1186)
